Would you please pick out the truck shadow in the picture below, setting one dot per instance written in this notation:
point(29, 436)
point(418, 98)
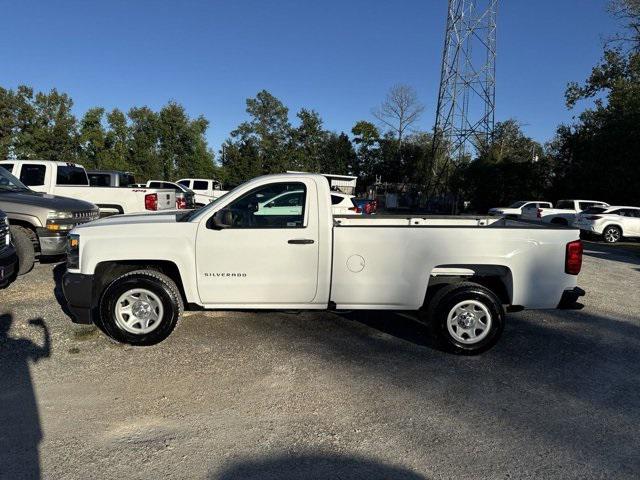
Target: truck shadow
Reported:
point(614, 253)
point(20, 430)
point(568, 379)
point(310, 467)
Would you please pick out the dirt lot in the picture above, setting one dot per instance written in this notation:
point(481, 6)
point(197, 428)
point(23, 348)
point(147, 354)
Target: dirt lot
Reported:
point(319, 395)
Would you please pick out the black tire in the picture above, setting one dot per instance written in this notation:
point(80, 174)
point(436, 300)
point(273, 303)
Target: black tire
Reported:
point(450, 296)
point(24, 248)
point(159, 285)
point(612, 234)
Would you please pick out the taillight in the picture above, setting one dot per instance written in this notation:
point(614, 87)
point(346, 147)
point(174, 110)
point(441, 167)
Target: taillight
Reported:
point(368, 208)
point(539, 213)
point(151, 201)
point(573, 258)
point(181, 203)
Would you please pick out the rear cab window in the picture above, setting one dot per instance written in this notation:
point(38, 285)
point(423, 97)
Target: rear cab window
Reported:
point(565, 205)
point(7, 166)
point(335, 199)
point(99, 179)
point(71, 175)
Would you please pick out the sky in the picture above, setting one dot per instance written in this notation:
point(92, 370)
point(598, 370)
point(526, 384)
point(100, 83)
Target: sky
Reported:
point(337, 57)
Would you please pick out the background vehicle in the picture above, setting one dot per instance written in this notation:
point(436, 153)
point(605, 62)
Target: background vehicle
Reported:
point(185, 198)
point(564, 213)
point(515, 209)
point(366, 206)
point(110, 178)
point(611, 223)
point(39, 223)
point(70, 180)
point(8, 258)
point(206, 190)
point(343, 204)
point(136, 273)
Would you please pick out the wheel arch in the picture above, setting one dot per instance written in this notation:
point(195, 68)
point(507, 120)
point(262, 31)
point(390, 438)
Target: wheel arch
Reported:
point(613, 224)
point(107, 271)
point(497, 278)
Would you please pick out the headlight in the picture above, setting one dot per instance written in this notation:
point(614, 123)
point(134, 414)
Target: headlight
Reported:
point(56, 221)
point(59, 215)
point(7, 239)
point(73, 251)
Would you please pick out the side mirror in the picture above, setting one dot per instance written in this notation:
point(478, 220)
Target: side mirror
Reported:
point(218, 221)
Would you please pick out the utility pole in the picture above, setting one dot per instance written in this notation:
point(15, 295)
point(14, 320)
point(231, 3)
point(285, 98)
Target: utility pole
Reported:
point(467, 97)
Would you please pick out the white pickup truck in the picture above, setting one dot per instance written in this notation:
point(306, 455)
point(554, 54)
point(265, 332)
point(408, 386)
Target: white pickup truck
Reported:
point(134, 274)
point(206, 190)
point(71, 180)
point(564, 213)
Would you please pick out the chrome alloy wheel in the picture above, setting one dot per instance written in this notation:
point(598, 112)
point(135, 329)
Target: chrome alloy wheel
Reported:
point(612, 235)
point(138, 311)
point(469, 322)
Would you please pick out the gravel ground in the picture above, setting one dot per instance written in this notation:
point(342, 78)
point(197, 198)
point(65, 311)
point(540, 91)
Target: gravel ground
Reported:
point(317, 395)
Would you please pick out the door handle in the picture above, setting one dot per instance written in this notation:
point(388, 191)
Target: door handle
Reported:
point(304, 241)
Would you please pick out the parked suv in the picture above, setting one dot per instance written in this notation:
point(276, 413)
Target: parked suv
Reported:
point(39, 222)
point(611, 223)
point(8, 258)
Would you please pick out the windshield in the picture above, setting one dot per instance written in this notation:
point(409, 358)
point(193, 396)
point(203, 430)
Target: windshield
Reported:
point(9, 183)
point(517, 204)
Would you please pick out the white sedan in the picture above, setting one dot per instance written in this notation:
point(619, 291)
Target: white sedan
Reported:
point(612, 223)
point(515, 210)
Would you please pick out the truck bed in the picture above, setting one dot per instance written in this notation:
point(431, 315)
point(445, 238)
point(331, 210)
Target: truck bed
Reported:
point(421, 220)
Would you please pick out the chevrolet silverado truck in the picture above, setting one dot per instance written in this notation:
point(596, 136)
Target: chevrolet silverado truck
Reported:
point(39, 222)
point(71, 180)
point(133, 275)
point(8, 257)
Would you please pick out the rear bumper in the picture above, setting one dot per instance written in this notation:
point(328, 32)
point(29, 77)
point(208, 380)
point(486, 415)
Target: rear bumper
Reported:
point(8, 265)
point(569, 300)
point(78, 291)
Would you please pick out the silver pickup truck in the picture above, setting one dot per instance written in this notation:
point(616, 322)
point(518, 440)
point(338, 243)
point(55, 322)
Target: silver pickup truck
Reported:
point(39, 222)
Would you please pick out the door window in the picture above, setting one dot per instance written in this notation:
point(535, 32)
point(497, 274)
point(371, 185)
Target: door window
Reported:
point(277, 205)
point(32, 175)
point(184, 183)
point(200, 185)
point(99, 179)
point(7, 166)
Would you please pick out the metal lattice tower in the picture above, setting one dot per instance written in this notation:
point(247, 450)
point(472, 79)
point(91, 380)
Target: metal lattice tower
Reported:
point(466, 101)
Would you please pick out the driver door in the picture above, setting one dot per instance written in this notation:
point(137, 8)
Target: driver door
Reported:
point(247, 257)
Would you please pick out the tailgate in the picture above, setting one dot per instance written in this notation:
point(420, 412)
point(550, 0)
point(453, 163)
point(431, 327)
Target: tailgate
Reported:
point(166, 199)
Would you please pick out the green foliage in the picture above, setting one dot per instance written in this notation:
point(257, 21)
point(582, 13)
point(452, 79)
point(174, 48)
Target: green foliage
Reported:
point(154, 145)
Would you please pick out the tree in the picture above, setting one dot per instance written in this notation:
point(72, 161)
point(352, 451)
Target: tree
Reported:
point(400, 110)
point(628, 13)
point(117, 142)
point(309, 141)
point(93, 139)
point(263, 144)
point(143, 143)
point(367, 141)
point(338, 155)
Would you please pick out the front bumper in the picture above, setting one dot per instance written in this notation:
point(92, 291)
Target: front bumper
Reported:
point(78, 291)
point(52, 243)
point(569, 300)
point(8, 264)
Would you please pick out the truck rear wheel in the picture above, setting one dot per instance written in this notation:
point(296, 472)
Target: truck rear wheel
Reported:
point(24, 248)
point(140, 308)
point(466, 318)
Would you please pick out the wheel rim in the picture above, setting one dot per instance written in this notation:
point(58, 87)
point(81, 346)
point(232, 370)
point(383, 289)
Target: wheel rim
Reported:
point(139, 311)
point(612, 235)
point(469, 322)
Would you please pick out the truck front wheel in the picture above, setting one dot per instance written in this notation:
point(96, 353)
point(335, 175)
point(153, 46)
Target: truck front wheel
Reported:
point(466, 318)
point(140, 308)
point(24, 248)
